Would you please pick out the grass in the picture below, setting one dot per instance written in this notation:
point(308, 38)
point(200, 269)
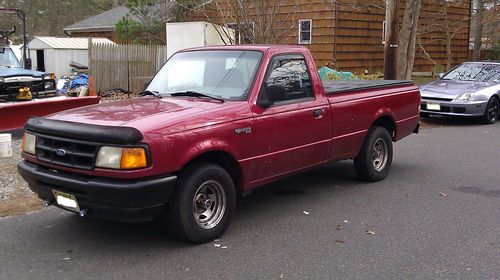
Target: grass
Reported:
point(421, 80)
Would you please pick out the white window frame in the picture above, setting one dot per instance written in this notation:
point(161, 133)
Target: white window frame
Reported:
point(238, 32)
point(301, 42)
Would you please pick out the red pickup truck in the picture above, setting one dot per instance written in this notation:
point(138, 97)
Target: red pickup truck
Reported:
point(213, 123)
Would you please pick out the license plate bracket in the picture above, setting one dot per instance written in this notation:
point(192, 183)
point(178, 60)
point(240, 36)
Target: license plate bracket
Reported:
point(66, 201)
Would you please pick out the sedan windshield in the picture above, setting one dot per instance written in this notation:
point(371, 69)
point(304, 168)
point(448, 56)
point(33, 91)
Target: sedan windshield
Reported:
point(8, 59)
point(478, 72)
point(222, 74)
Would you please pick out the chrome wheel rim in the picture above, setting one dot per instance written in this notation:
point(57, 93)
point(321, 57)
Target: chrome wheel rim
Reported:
point(493, 110)
point(209, 204)
point(379, 154)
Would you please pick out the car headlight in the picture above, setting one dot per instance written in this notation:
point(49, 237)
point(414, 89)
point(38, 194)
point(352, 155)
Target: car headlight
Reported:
point(29, 142)
point(50, 76)
point(464, 97)
point(121, 157)
point(48, 85)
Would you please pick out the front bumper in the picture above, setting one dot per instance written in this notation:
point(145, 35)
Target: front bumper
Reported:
point(450, 108)
point(105, 198)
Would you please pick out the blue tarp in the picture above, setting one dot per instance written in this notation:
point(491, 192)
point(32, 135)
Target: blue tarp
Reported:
point(80, 80)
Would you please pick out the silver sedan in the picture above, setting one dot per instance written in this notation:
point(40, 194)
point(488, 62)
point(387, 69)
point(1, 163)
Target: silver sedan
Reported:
point(471, 89)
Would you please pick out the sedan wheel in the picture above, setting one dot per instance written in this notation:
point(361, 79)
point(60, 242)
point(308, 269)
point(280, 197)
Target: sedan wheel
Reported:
point(492, 111)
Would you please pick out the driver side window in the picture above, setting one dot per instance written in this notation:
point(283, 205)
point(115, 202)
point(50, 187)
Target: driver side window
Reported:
point(290, 76)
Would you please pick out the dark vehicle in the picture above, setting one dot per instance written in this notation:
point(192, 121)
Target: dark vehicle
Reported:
point(18, 84)
point(17, 81)
point(471, 89)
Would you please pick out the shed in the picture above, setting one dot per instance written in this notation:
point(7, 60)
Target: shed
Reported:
point(54, 54)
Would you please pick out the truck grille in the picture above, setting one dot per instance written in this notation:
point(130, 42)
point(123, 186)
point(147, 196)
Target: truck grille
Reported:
point(66, 152)
point(9, 91)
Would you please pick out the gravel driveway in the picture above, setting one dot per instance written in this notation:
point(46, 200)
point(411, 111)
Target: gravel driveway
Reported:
point(15, 196)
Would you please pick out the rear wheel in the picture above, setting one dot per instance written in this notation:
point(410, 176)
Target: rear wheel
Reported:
point(492, 111)
point(374, 160)
point(203, 203)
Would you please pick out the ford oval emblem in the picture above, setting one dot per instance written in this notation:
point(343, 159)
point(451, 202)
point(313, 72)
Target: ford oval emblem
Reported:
point(60, 152)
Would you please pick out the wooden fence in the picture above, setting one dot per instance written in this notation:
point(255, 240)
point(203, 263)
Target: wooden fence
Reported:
point(127, 67)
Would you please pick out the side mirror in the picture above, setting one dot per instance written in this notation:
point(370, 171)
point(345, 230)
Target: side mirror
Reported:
point(263, 99)
point(27, 63)
point(440, 75)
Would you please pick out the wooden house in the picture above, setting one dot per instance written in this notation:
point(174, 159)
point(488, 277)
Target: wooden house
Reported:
point(347, 33)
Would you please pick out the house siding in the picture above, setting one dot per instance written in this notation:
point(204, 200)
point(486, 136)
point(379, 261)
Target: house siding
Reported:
point(350, 34)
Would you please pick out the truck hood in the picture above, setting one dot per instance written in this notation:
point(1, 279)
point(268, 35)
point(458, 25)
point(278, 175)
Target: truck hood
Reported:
point(451, 88)
point(13, 72)
point(152, 114)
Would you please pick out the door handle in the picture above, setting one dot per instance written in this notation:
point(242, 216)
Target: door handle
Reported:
point(318, 113)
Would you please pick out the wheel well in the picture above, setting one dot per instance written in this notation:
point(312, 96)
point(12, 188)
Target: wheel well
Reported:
point(226, 161)
point(387, 123)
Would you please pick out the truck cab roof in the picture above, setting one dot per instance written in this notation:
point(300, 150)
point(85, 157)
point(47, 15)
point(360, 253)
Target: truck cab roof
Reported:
point(261, 48)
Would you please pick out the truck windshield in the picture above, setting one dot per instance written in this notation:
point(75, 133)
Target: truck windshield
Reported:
point(8, 59)
point(223, 74)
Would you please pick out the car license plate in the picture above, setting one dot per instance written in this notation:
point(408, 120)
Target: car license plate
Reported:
point(66, 201)
point(433, 106)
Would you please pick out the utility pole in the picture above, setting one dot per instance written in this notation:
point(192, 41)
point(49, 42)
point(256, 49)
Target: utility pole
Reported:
point(391, 39)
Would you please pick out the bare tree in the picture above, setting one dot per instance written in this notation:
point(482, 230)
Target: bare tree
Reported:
point(440, 22)
point(407, 39)
point(478, 35)
point(254, 22)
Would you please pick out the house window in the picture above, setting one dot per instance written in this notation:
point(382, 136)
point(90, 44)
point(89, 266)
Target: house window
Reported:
point(244, 33)
point(305, 31)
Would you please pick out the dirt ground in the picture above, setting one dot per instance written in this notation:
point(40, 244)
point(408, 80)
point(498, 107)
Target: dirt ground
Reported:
point(15, 196)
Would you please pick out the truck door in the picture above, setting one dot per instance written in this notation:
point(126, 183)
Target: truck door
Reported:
point(296, 128)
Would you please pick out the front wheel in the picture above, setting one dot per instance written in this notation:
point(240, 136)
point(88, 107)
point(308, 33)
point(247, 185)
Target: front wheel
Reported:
point(375, 158)
point(203, 203)
point(492, 111)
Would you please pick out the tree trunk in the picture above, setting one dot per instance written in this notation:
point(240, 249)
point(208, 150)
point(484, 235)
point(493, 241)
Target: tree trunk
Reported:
point(407, 39)
point(476, 55)
point(391, 40)
point(410, 56)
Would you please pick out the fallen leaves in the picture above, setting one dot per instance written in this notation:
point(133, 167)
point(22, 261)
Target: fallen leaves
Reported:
point(370, 232)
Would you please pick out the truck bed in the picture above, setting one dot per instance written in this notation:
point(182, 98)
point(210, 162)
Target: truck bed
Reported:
point(339, 86)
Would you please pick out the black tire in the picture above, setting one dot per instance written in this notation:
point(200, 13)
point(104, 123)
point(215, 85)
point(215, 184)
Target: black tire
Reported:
point(374, 167)
point(492, 110)
point(425, 115)
point(202, 187)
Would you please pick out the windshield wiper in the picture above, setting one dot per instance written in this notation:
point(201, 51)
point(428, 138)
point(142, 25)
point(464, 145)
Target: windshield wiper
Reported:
point(151, 92)
point(196, 94)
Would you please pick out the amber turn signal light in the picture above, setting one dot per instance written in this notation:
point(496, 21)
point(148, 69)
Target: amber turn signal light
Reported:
point(133, 158)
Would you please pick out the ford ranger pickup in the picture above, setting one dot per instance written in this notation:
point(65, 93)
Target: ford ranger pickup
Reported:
point(214, 122)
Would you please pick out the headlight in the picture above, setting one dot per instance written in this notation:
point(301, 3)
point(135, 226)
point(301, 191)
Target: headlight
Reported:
point(121, 158)
point(50, 76)
point(463, 97)
point(28, 144)
point(49, 85)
